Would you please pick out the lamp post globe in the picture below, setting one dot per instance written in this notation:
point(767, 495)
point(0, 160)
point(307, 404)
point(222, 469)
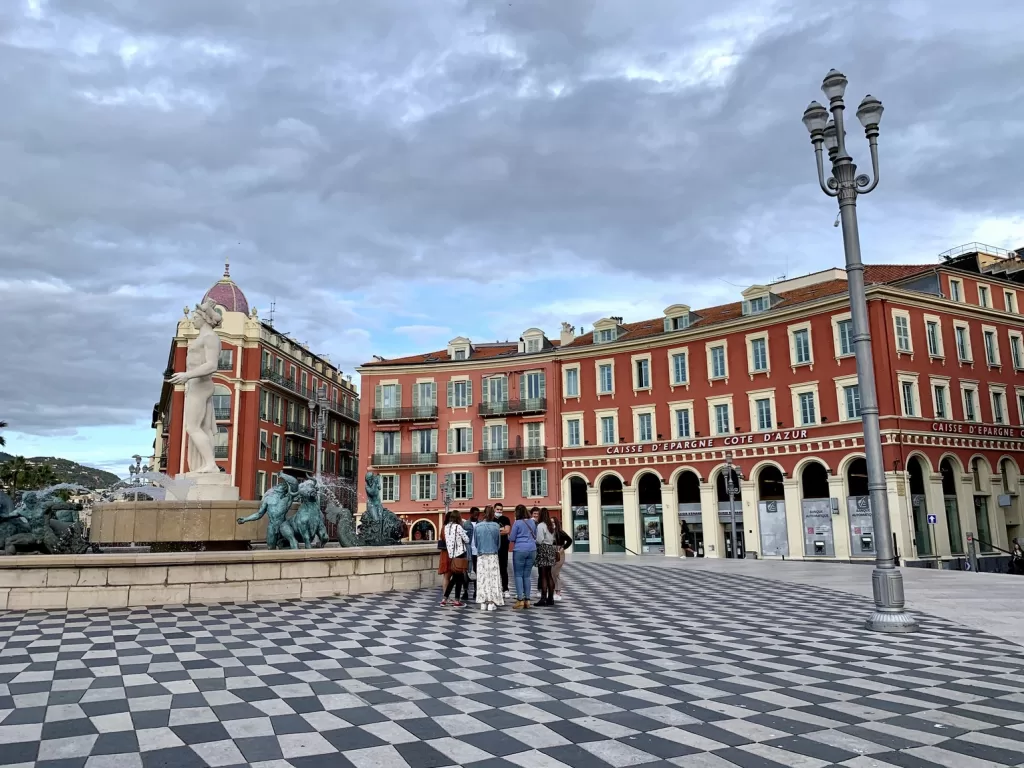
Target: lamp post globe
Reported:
point(844, 184)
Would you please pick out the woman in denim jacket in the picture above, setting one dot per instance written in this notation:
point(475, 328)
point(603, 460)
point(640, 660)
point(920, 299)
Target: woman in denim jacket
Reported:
point(487, 538)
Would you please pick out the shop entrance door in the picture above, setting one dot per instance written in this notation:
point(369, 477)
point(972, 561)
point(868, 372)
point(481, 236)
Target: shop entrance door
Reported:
point(728, 542)
point(616, 533)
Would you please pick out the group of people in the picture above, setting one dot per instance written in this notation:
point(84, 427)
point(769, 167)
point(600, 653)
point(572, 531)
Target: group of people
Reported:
point(476, 552)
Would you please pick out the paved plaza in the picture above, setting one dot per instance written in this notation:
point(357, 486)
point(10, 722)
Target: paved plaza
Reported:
point(640, 665)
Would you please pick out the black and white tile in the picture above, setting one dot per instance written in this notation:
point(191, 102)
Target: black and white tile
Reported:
point(638, 666)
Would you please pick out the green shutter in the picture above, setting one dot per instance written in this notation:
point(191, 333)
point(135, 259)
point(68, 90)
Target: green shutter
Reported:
point(526, 483)
point(469, 391)
point(668, 324)
point(522, 386)
point(415, 395)
point(544, 483)
point(433, 485)
point(469, 438)
point(543, 384)
point(487, 437)
point(414, 487)
point(433, 394)
point(504, 437)
point(378, 397)
point(433, 441)
point(378, 442)
point(451, 394)
point(398, 487)
point(504, 388)
point(485, 390)
point(398, 395)
point(451, 440)
point(469, 485)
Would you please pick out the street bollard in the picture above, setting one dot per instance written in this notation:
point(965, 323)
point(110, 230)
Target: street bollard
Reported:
point(972, 553)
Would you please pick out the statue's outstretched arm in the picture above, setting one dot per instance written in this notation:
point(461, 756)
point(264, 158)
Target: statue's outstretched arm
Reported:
point(255, 515)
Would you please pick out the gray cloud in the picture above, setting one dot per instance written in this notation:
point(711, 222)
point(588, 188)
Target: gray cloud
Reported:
point(327, 146)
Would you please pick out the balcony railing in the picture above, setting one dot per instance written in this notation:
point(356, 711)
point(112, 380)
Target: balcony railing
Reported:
point(520, 453)
point(299, 429)
point(220, 451)
point(416, 413)
point(225, 365)
point(269, 374)
point(222, 414)
point(514, 407)
point(404, 459)
point(297, 462)
point(347, 445)
point(352, 414)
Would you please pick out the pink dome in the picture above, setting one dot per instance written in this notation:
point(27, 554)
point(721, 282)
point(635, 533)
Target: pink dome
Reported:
point(225, 293)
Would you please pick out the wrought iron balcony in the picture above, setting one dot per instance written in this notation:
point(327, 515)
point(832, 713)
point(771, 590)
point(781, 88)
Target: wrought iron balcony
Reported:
point(220, 451)
point(222, 414)
point(517, 407)
point(349, 446)
point(508, 455)
point(300, 429)
point(225, 365)
point(404, 459)
point(269, 374)
point(352, 414)
point(297, 462)
point(416, 413)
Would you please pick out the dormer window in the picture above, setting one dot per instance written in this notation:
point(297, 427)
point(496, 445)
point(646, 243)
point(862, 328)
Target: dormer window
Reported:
point(532, 340)
point(678, 318)
point(459, 348)
point(607, 329)
point(758, 299)
point(604, 335)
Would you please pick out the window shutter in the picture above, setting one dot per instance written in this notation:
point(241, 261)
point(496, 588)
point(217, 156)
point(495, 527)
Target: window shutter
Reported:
point(469, 439)
point(522, 386)
point(451, 440)
point(668, 324)
point(433, 485)
point(398, 487)
point(485, 391)
point(469, 391)
point(504, 388)
point(544, 482)
point(487, 435)
point(377, 396)
point(378, 442)
point(398, 395)
point(526, 483)
point(451, 394)
point(469, 485)
point(433, 441)
point(414, 487)
point(543, 384)
point(415, 395)
point(433, 394)
point(504, 436)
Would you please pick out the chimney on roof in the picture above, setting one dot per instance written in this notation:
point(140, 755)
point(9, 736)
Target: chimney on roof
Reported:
point(617, 319)
point(567, 335)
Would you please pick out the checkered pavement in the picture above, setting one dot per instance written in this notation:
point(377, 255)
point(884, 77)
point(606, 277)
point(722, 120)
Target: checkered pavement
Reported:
point(637, 666)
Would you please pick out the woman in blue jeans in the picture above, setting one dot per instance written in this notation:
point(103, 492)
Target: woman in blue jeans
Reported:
point(523, 541)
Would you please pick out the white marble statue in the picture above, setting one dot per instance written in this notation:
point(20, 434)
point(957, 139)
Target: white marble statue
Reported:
point(200, 365)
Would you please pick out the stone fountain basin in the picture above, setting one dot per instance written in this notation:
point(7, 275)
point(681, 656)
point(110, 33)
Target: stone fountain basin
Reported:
point(154, 522)
point(76, 582)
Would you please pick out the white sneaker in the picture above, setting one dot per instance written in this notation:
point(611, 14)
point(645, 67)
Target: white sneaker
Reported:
point(492, 607)
point(558, 598)
point(506, 593)
point(483, 607)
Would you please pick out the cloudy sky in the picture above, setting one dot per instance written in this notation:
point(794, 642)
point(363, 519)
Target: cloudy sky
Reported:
point(397, 172)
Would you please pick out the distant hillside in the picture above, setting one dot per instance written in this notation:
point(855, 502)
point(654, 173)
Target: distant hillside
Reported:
point(68, 471)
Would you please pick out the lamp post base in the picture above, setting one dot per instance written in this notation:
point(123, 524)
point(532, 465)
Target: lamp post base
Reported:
point(890, 615)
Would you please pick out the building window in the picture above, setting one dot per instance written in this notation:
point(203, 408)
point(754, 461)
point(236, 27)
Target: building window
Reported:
point(275, 448)
point(939, 393)
point(998, 408)
point(532, 386)
point(425, 486)
point(604, 335)
point(263, 444)
point(460, 439)
point(1016, 351)
point(462, 485)
point(983, 296)
point(1010, 300)
point(763, 407)
point(496, 437)
point(722, 419)
point(387, 443)
point(970, 404)
point(991, 348)
point(1020, 405)
point(718, 369)
point(532, 345)
point(757, 305)
point(679, 368)
point(533, 436)
point(963, 344)
point(845, 330)
point(759, 354)
point(458, 394)
point(572, 433)
point(423, 441)
point(645, 428)
point(496, 389)
point(261, 484)
point(496, 484)
point(389, 396)
point(902, 333)
point(607, 430)
point(907, 388)
point(808, 414)
point(226, 360)
point(956, 290)
point(934, 342)
point(851, 399)
point(460, 354)
point(425, 394)
point(388, 488)
point(535, 483)
point(605, 383)
point(802, 346)
point(683, 423)
point(643, 374)
point(572, 382)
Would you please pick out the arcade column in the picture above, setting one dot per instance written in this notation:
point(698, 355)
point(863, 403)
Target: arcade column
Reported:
point(631, 518)
point(840, 522)
point(937, 506)
point(670, 527)
point(898, 490)
point(794, 517)
point(714, 533)
point(594, 521)
point(751, 523)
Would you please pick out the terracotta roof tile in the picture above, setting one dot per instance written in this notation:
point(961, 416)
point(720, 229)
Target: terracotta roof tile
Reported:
point(883, 273)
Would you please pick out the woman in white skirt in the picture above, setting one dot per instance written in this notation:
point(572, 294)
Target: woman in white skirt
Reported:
point(488, 572)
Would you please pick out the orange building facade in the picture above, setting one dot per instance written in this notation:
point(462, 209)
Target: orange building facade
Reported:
point(626, 428)
point(264, 384)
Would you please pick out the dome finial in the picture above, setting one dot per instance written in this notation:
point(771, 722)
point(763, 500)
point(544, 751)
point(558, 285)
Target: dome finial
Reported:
point(227, 266)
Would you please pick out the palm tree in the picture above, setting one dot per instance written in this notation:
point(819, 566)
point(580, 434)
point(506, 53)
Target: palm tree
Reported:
point(40, 476)
point(15, 473)
point(3, 425)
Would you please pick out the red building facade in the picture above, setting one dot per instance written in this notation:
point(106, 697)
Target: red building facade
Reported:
point(264, 384)
point(627, 428)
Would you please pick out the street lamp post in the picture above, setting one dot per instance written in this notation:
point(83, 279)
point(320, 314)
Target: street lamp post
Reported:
point(890, 614)
point(318, 418)
point(447, 492)
point(730, 488)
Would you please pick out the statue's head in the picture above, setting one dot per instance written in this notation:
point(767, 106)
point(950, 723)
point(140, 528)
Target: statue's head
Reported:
point(307, 489)
point(208, 314)
point(28, 498)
